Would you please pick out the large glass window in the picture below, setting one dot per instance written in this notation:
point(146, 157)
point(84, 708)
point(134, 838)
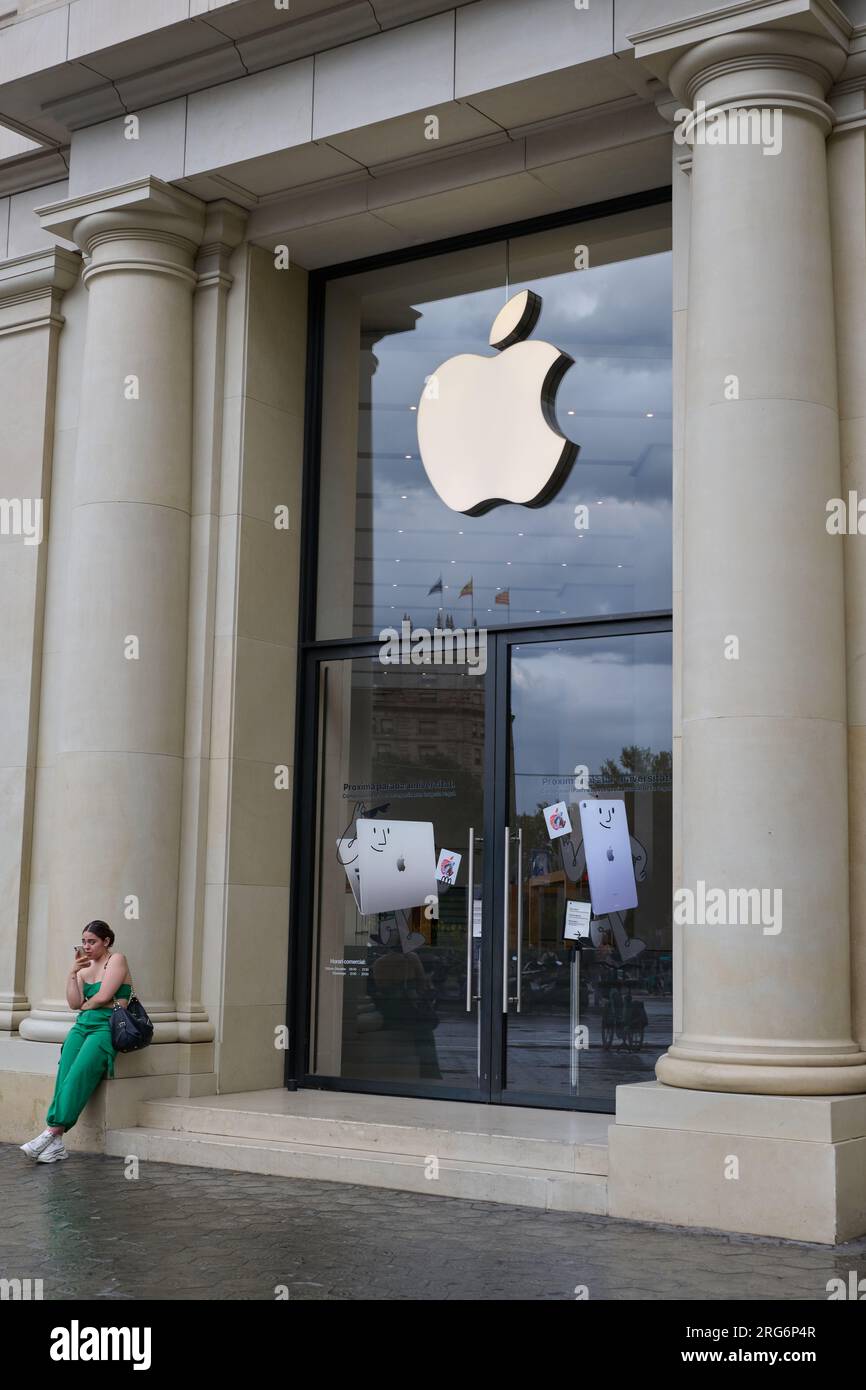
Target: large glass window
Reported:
point(390, 547)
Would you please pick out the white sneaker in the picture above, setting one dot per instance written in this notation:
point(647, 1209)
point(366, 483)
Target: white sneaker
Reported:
point(34, 1147)
point(54, 1151)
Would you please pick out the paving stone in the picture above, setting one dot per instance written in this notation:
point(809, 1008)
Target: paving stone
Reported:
point(196, 1234)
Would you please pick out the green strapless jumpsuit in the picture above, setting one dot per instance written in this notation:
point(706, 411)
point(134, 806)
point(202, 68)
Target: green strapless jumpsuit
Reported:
point(86, 1058)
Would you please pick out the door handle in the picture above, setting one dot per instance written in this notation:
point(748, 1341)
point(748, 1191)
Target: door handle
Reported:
point(519, 916)
point(505, 921)
point(470, 923)
point(506, 886)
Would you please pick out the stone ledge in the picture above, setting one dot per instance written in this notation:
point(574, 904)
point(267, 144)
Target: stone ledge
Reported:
point(818, 1119)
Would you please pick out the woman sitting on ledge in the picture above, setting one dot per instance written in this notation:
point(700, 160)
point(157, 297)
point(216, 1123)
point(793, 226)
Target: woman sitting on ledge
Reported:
point(98, 977)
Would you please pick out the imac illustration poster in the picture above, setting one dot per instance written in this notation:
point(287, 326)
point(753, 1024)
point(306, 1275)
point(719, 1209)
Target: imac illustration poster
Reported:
point(608, 856)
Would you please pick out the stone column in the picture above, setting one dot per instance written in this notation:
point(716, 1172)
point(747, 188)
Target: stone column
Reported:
point(31, 289)
point(764, 708)
point(223, 231)
point(120, 762)
point(847, 181)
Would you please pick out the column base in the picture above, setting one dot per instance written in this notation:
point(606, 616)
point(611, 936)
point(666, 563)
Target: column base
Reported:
point(13, 1008)
point(787, 1166)
point(841, 1075)
point(52, 1025)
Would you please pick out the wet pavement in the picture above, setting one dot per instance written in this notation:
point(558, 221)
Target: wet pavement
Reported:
point(87, 1230)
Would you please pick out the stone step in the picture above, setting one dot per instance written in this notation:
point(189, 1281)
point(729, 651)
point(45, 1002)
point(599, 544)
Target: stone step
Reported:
point(547, 1189)
point(546, 1140)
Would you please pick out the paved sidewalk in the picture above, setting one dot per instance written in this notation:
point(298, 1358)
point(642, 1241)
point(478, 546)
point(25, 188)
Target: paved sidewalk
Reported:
point(195, 1233)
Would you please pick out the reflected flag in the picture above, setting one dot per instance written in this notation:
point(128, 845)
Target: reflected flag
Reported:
point(504, 596)
point(435, 588)
point(467, 591)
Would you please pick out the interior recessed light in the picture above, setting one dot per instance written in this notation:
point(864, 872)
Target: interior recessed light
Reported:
point(460, 533)
point(571, 412)
point(508, 562)
point(564, 565)
point(650, 415)
point(402, 497)
point(413, 407)
point(408, 456)
point(520, 533)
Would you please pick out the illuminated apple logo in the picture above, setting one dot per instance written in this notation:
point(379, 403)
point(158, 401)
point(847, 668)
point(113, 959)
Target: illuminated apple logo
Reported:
point(486, 425)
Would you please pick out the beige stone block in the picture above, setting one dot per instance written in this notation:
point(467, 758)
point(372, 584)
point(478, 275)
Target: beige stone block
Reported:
point(273, 443)
point(204, 533)
point(814, 1119)
point(228, 554)
point(779, 462)
point(129, 572)
point(231, 458)
point(778, 786)
point(257, 944)
point(24, 1101)
point(276, 341)
point(260, 825)
point(137, 449)
point(216, 867)
point(117, 833)
point(76, 303)
point(248, 1059)
point(785, 1188)
point(857, 876)
point(268, 583)
point(213, 950)
point(264, 703)
point(14, 840)
point(748, 310)
point(20, 612)
point(222, 698)
point(846, 177)
point(237, 304)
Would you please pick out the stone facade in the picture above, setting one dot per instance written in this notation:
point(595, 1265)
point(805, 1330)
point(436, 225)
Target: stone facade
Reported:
point(152, 359)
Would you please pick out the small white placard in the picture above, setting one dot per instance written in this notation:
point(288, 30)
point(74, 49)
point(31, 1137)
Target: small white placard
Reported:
point(557, 820)
point(577, 919)
point(476, 918)
point(448, 866)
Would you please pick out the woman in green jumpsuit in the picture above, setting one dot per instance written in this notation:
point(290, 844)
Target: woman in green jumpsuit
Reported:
point(87, 1055)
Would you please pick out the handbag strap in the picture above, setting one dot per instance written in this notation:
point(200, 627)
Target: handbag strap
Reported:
point(132, 993)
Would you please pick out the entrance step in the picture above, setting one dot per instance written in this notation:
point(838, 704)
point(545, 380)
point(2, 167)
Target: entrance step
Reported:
point(554, 1160)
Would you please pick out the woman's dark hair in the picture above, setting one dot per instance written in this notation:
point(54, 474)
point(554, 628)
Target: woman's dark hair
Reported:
point(102, 930)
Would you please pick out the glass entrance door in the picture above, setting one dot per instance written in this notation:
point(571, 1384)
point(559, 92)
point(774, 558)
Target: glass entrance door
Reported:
point(586, 719)
point(397, 951)
point(439, 890)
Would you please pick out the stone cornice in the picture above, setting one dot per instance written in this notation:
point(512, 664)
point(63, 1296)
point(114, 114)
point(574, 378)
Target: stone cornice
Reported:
point(225, 225)
point(31, 288)
point(658, 49)
point(148, 203)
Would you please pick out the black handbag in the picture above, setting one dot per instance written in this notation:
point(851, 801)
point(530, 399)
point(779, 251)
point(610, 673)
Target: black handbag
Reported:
point(131, 1028)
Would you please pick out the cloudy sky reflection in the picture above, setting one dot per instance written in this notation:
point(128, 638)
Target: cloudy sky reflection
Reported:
point(615, 402)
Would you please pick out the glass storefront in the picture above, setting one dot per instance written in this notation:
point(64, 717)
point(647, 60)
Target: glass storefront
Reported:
point(558, 690)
